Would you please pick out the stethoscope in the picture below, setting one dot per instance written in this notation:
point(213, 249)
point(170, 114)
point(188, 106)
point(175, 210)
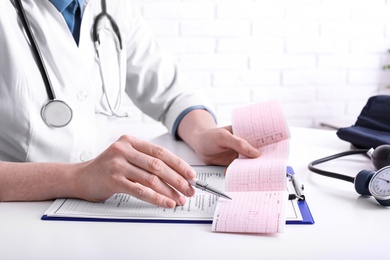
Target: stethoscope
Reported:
point(56, 112)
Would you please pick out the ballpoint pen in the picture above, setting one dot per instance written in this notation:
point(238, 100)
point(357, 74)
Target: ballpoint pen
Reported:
point(206, 187)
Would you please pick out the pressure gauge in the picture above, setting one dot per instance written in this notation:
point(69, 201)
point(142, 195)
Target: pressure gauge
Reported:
point(379, 185)
point(376, 184)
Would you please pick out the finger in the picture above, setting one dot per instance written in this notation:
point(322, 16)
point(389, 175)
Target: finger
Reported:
point(239, 145)
point(173, 161)
point(145, 194)
point(229, 128)
point(152, 181)
point(162, 163)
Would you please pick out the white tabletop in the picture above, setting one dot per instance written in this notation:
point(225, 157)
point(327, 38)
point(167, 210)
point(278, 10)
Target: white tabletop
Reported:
point(347, 226)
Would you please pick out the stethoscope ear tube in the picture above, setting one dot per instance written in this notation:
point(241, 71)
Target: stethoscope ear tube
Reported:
point(95, 36)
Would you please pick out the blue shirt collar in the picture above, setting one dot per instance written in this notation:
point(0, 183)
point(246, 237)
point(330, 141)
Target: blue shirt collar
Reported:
point(62, 4)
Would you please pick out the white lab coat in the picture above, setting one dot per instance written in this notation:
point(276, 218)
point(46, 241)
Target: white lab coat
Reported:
point(151, 81)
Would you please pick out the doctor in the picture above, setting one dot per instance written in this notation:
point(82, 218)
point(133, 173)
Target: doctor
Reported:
point(62, 80)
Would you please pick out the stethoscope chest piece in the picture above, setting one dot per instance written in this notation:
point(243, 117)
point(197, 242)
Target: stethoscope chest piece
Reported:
point(56, 113)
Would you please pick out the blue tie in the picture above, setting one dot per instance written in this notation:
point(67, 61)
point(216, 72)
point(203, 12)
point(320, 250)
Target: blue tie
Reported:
point(72, 17)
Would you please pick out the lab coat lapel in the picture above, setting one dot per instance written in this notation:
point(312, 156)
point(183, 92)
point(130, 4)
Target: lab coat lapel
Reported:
point(66, 67)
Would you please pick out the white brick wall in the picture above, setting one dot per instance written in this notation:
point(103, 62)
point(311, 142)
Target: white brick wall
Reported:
point(322, 58)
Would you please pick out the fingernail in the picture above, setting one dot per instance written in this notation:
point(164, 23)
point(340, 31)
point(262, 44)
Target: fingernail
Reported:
point(182, 201)
point(192, 174)
point(170, 204)
point(254, 153)
point(190, 191)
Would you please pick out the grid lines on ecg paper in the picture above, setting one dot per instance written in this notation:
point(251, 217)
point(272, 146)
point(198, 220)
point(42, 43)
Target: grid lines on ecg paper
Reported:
point(255, 212)
point(256, 175)
point(260, 124)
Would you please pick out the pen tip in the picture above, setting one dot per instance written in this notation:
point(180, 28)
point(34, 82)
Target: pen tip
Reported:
point(226, 196)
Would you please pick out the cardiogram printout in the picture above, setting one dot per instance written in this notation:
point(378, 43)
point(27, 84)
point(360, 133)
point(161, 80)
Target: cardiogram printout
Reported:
point(260, 124)
point(257, 186)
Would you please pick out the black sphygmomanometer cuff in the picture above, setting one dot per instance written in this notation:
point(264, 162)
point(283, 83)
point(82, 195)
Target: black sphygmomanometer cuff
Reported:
point(372, 127)
point(363, 138)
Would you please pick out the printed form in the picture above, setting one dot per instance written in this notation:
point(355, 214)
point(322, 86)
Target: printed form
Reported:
point(122, 206)
point(199, 207)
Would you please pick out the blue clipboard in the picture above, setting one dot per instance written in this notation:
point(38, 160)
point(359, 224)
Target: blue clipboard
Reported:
point(307, 217)
point(303, 207)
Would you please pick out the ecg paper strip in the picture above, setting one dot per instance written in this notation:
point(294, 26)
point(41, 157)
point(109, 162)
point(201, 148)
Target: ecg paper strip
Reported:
point(257, 185)
point(280, 149)
point(267, 172)
point(256, 175)
point(260, 124)
point(251, 212)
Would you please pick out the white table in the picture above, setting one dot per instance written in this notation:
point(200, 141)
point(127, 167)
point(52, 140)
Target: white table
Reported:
point(347, 226)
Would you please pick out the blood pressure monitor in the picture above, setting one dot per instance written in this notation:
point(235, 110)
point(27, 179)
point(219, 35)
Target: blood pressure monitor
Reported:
point(366, 182)
point(376, 184)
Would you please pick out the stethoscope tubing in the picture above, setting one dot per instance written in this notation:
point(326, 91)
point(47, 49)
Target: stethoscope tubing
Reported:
point(104, 13)
point(36, 50)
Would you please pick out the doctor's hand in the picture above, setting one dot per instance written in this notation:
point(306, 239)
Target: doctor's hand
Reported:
point(138, 168)
point(219, 146)
point(213, 145)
